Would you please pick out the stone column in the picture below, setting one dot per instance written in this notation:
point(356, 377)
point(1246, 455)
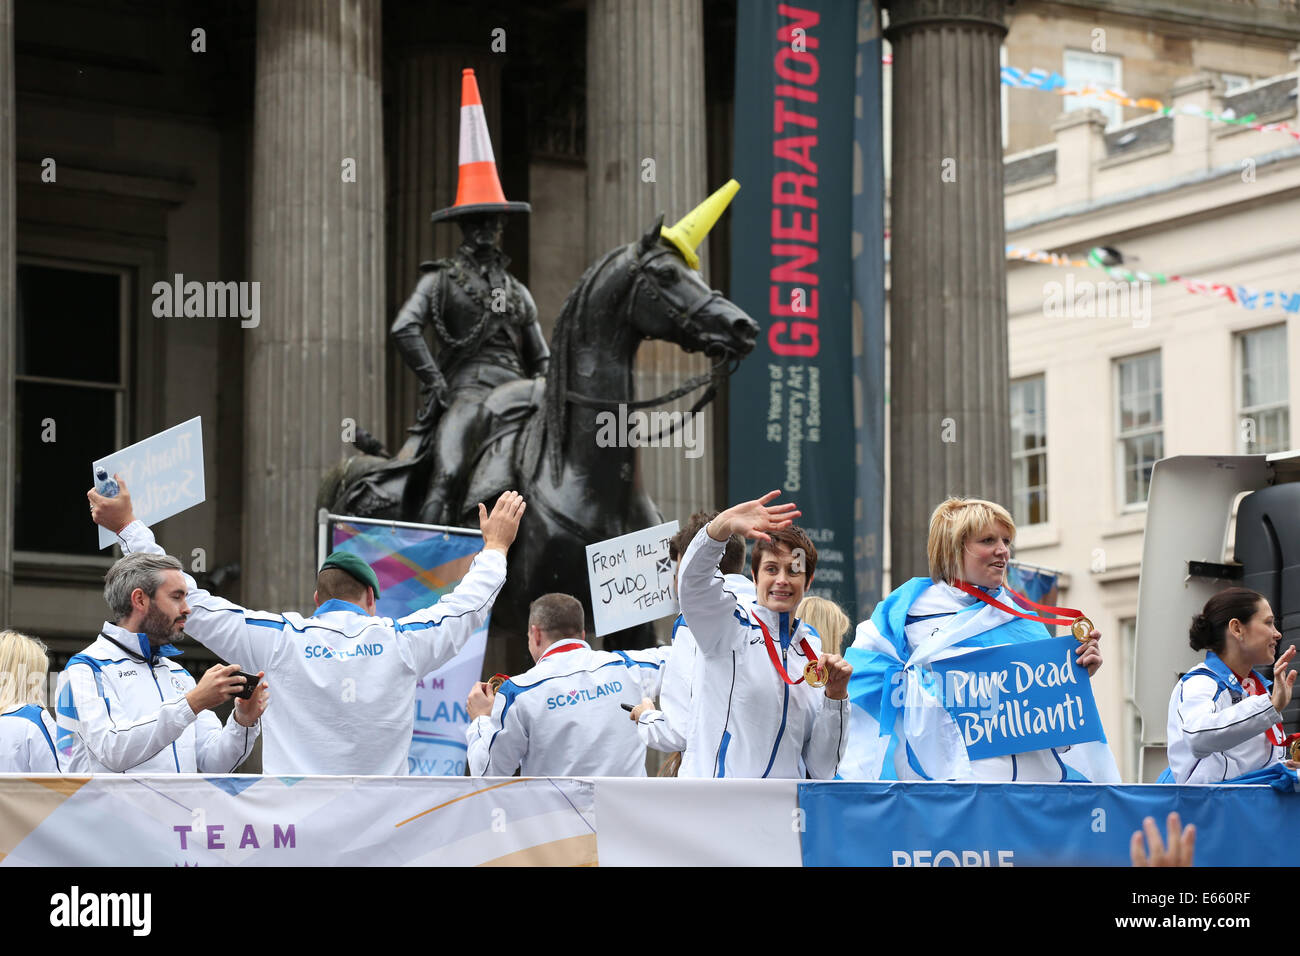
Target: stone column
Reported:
point(8, 308)
point(316, 359)
point(426, 134)
point(1080, 146)
point(645, 102)
point(1193, 136)
point(949, 415)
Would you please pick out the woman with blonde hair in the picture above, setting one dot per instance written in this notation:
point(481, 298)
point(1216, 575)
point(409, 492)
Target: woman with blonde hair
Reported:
point(27, 732)
point(953, 611)
point(826, 618)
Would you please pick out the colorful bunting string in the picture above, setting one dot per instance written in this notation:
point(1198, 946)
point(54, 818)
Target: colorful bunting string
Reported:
point(1241, 295)
point(1052, 82)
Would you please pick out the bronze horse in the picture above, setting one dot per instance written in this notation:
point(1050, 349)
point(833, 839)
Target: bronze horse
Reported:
point(539, 437)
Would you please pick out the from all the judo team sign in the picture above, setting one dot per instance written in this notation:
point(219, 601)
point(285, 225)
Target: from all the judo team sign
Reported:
point(631, 579)
point(1019, 697)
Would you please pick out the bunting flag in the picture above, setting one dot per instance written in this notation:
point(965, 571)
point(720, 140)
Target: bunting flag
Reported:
point(1052, 82)
point(1241, 295)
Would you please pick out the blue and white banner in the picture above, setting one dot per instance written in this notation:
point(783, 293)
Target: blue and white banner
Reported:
point(1020, 824)
point(1019, 698)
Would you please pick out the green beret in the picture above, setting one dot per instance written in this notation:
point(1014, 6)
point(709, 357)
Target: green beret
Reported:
point(353, 565)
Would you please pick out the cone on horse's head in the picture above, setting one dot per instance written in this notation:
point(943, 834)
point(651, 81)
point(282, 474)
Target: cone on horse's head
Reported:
point(478, 189)
point(691, 229)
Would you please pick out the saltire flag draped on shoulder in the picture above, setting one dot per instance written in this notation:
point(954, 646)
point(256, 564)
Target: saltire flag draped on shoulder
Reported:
point(896, 707)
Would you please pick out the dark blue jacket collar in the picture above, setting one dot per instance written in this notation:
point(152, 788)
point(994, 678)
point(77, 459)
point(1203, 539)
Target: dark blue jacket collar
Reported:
point(137, 644)
point(1222, 671)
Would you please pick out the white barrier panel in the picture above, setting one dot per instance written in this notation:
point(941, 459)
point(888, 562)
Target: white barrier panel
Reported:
point(672, 822)
point(193, 820)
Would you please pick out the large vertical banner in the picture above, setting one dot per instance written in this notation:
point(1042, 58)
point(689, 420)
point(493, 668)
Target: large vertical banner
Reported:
point(792, 423)
point(416, 566)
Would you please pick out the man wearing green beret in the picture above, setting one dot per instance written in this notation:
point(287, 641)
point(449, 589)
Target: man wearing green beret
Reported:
point(343, 679)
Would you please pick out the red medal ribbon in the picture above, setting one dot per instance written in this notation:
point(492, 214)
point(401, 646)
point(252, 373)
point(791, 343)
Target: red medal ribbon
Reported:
point(1062, 621)
point(776, 661)
point(560, 649)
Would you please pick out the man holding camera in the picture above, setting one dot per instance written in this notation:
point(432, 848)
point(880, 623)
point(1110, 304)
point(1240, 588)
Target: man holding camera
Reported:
point(129, 708)
point(345, 677)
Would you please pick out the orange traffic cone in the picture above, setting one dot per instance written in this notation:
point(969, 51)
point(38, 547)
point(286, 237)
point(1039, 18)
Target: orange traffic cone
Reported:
point(478, 190)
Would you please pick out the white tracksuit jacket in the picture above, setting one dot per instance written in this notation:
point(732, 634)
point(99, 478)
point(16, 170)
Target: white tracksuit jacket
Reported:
point(1216, 732)
point(562, 717)
point(748, 722)
point(342, 683)
point(668, 728)
point(123, 707)
point(27, 735)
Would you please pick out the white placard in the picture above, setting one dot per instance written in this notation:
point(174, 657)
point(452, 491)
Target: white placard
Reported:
point(164, 474)
point(631, 578)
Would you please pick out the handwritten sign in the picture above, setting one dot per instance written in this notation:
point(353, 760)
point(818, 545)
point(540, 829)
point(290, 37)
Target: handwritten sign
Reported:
point(1019, 697)
point(632, 578)
point(164, 474)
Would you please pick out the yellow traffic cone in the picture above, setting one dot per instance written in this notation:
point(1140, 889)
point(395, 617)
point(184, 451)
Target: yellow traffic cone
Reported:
point(695, 225)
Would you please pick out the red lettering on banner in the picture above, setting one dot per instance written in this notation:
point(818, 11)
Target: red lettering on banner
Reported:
point(796, 93)
point(803, 19)
point(781, 305)
point(797, 149)
point(782, 116)
point(794, 196)
point(808, 72)
point(796, 230)
point(791, 270)
point(793, 277)
point(800, 330)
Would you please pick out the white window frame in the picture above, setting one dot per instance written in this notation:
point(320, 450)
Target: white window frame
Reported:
point(1244, 411)
point(1112, 111)
point(1020, 454)
point(1122, 436)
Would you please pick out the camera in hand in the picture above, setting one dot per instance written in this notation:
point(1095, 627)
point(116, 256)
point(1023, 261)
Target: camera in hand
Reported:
point(250, 685)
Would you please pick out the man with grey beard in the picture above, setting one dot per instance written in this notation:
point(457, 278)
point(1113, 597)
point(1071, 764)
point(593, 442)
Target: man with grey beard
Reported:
point(125, 706)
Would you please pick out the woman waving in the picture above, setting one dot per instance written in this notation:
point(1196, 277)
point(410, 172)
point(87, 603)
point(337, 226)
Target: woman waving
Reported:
point(1224, 720)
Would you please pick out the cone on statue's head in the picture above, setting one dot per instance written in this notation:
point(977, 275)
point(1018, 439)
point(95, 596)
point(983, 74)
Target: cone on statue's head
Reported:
point(691, 229)
point(478, 189)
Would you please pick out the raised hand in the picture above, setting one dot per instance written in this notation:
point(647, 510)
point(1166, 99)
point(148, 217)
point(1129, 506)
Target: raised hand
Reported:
point(500, 527)
point(839, 671)
point(1181, 849)
point(1283, 679)
point(112, 514)
point(754, 519)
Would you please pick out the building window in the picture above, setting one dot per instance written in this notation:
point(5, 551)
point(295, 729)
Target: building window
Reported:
point(1140, 426)
point(1028, 451)
point(70, 391)
point(1265, 417)
point(1096, 70)
point(1232, 82)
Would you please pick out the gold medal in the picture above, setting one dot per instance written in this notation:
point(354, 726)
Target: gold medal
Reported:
point(1081, 629)
point(1294, 750)
point(814, 676)
point(496, 680)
